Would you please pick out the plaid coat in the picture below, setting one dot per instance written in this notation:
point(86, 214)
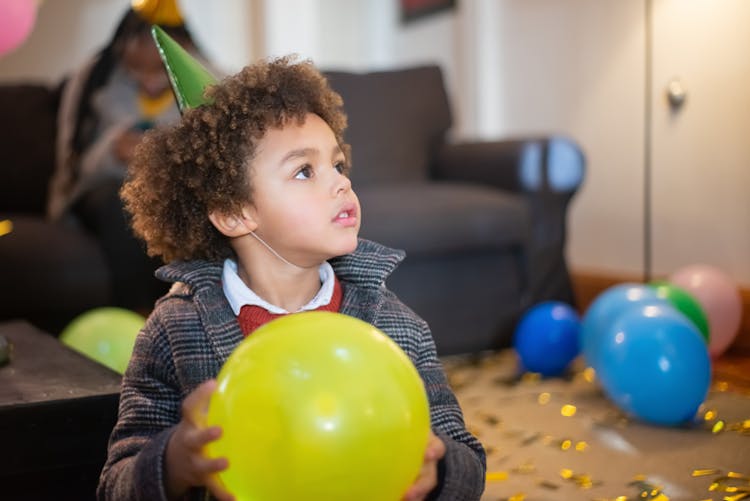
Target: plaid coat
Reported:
point(191, 333)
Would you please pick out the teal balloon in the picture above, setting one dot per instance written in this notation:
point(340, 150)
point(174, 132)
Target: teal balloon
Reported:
point(106, 335)
point(655, 365)
point(605, 309)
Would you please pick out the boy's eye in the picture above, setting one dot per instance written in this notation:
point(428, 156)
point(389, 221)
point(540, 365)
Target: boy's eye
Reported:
point(342, 168)
point(305, 172)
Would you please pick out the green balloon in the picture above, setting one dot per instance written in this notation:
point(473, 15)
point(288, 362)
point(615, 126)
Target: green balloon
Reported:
point(685, 303)
point(106, 335)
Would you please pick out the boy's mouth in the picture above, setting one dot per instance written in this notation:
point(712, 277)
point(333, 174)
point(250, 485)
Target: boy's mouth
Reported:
point(347, 215)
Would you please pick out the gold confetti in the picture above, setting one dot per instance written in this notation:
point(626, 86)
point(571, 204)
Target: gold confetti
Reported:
point(543, 398)
point(568, 410)
point(742, 427)
point(589, 374)
point(496, 476)
point(6, 226)
point(721, 386)
point(717, 427)
point(565, 445)
point(581, 446)
point(648, 490)
point(736, 484)
point(582, 480)
point(517, 497)
point(704, 472)
point(709, 415)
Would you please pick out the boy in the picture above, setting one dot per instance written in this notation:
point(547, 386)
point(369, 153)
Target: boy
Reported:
point(248, 200)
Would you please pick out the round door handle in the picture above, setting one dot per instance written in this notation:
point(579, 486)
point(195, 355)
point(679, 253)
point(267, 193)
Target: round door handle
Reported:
point(676, 94)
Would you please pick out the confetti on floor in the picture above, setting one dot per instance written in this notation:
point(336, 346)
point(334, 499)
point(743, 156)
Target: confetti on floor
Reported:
point(561, 439)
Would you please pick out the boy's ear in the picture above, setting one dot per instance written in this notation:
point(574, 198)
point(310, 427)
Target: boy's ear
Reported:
point(233, 225)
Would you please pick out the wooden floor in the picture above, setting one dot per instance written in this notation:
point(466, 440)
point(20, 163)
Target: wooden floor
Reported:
point(733, 369)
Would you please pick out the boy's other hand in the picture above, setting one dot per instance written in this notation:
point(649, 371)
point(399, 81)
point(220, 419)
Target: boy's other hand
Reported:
point(428, 475)
point(185, 463)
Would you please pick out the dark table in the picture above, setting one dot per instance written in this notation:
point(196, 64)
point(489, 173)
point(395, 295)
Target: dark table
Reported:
point(57, 409)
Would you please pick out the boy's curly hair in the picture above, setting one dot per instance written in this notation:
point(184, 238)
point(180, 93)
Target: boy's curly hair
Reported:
point(181, 174)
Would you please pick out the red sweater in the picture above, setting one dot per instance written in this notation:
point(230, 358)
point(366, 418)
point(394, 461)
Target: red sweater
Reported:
point(251, 316)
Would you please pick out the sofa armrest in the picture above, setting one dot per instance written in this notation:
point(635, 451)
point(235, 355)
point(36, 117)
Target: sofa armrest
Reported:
point(547, 172)
point(551, 164)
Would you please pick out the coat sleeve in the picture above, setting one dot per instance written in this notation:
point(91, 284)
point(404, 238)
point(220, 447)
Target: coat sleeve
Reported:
point(150, 402)
point(462, 470)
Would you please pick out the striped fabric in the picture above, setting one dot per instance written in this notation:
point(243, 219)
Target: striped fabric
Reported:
point(191, 333)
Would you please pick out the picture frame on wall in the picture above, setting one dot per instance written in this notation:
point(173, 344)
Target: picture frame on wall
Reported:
point(413, 10)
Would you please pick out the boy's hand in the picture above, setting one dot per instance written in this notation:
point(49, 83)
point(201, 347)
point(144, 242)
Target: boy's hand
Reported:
point(428, 475)
point(186, 466)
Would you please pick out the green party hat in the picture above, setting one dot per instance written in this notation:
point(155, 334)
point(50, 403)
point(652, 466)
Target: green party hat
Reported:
point(189, 77)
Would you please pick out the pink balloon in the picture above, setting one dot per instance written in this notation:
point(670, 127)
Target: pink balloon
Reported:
point(720, 299)
point(16, 20)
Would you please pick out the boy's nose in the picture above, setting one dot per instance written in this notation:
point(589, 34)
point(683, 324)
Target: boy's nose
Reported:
point(342, 184)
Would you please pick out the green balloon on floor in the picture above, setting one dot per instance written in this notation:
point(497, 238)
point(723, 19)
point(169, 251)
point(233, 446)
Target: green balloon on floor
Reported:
point(105, 334)
point(685, 304)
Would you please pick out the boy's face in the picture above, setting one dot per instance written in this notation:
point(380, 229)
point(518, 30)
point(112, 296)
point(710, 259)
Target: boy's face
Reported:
point(303, 203)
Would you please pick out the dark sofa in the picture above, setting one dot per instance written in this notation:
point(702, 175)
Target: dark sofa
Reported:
point(483, 224)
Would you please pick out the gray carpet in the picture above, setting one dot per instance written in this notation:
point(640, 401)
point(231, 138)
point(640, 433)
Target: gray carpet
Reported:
point(561, 439)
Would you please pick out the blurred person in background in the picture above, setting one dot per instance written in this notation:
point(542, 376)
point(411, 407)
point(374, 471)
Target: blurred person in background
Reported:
point(106, 106)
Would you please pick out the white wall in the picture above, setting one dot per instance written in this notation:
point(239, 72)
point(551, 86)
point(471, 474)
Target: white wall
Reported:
point(701, 154)
point(68, 32)
point(521, 67)
point(576, 68)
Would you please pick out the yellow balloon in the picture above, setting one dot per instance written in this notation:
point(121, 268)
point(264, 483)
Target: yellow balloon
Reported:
point(319, 406)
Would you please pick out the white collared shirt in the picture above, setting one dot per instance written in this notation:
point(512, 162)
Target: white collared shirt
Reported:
point(238, 294)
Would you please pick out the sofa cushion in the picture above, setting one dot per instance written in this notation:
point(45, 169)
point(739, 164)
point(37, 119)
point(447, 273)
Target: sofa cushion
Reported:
point(397, 119)
point(47, 267)
point(27, 143)
point(443, 218)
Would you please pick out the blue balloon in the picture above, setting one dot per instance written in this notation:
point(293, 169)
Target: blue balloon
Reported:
point(546, 338)
point(655, 365)
point(604, 311)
